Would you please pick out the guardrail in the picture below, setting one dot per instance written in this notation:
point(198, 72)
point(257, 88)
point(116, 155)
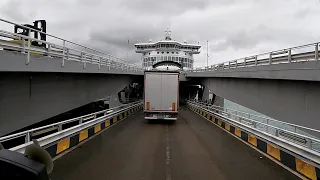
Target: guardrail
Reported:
point(81, 131)
point(308, 52)
point(296, 134)
point(283, 146)
point(61, 50)
point(57, 127)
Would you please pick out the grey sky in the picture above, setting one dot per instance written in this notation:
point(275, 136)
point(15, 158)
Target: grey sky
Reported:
point(234, 28)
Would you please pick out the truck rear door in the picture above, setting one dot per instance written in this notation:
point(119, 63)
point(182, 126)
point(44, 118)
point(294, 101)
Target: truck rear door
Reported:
point(169, 91)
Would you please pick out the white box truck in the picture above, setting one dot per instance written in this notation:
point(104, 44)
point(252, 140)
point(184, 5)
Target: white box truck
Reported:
point(161, 94)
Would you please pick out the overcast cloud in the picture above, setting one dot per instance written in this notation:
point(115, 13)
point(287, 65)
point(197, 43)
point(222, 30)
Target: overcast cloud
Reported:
point(234, 28)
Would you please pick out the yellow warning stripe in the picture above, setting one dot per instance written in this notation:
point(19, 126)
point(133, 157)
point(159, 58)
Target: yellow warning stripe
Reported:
point(306, 169)
point(273, 151)
point(237, 132)
point(83, 135)
point(97, 128)
point(227, 126)
point(252, 140)
point(63, 145)
point(107, 123)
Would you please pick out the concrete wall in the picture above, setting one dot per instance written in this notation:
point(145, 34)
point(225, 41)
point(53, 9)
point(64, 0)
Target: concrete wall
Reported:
point(27, 98)
point(296, 102)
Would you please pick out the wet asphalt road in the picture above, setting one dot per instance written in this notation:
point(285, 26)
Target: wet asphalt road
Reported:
point(189, 149)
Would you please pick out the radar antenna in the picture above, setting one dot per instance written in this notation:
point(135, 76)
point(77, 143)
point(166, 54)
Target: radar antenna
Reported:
point(168, 34)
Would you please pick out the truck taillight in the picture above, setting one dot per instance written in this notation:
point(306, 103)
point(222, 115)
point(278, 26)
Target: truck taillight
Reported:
point(173, 106)
point(174, 116)
point(148, 106)
point(148, 115)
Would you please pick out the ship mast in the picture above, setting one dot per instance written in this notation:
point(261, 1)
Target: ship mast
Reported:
point(167, 34)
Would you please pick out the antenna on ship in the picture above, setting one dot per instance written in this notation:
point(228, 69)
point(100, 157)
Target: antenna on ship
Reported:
point(167, 34)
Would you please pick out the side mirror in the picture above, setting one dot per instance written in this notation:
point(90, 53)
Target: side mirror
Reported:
point(35, 164)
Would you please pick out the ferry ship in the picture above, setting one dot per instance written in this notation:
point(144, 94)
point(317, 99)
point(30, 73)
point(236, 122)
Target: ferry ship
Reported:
point(167, 50)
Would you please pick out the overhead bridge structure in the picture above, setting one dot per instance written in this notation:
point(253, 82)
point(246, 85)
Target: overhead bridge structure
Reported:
point(208, 141)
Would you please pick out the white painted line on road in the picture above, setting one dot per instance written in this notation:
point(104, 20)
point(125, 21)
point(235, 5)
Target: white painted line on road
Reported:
point(168, 169)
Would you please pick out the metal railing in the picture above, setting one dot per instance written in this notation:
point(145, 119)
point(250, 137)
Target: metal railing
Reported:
point(299, 135)
point(60, 49)
point(48, 140)
point(59, 125)
point(308, 52)
point(128, 100)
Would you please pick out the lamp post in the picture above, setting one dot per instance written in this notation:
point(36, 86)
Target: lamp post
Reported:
point(207, 55)
point(128, 48)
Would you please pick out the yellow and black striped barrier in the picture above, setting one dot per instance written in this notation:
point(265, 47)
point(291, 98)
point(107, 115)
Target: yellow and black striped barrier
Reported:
point(69, 142)
point(281, 155)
